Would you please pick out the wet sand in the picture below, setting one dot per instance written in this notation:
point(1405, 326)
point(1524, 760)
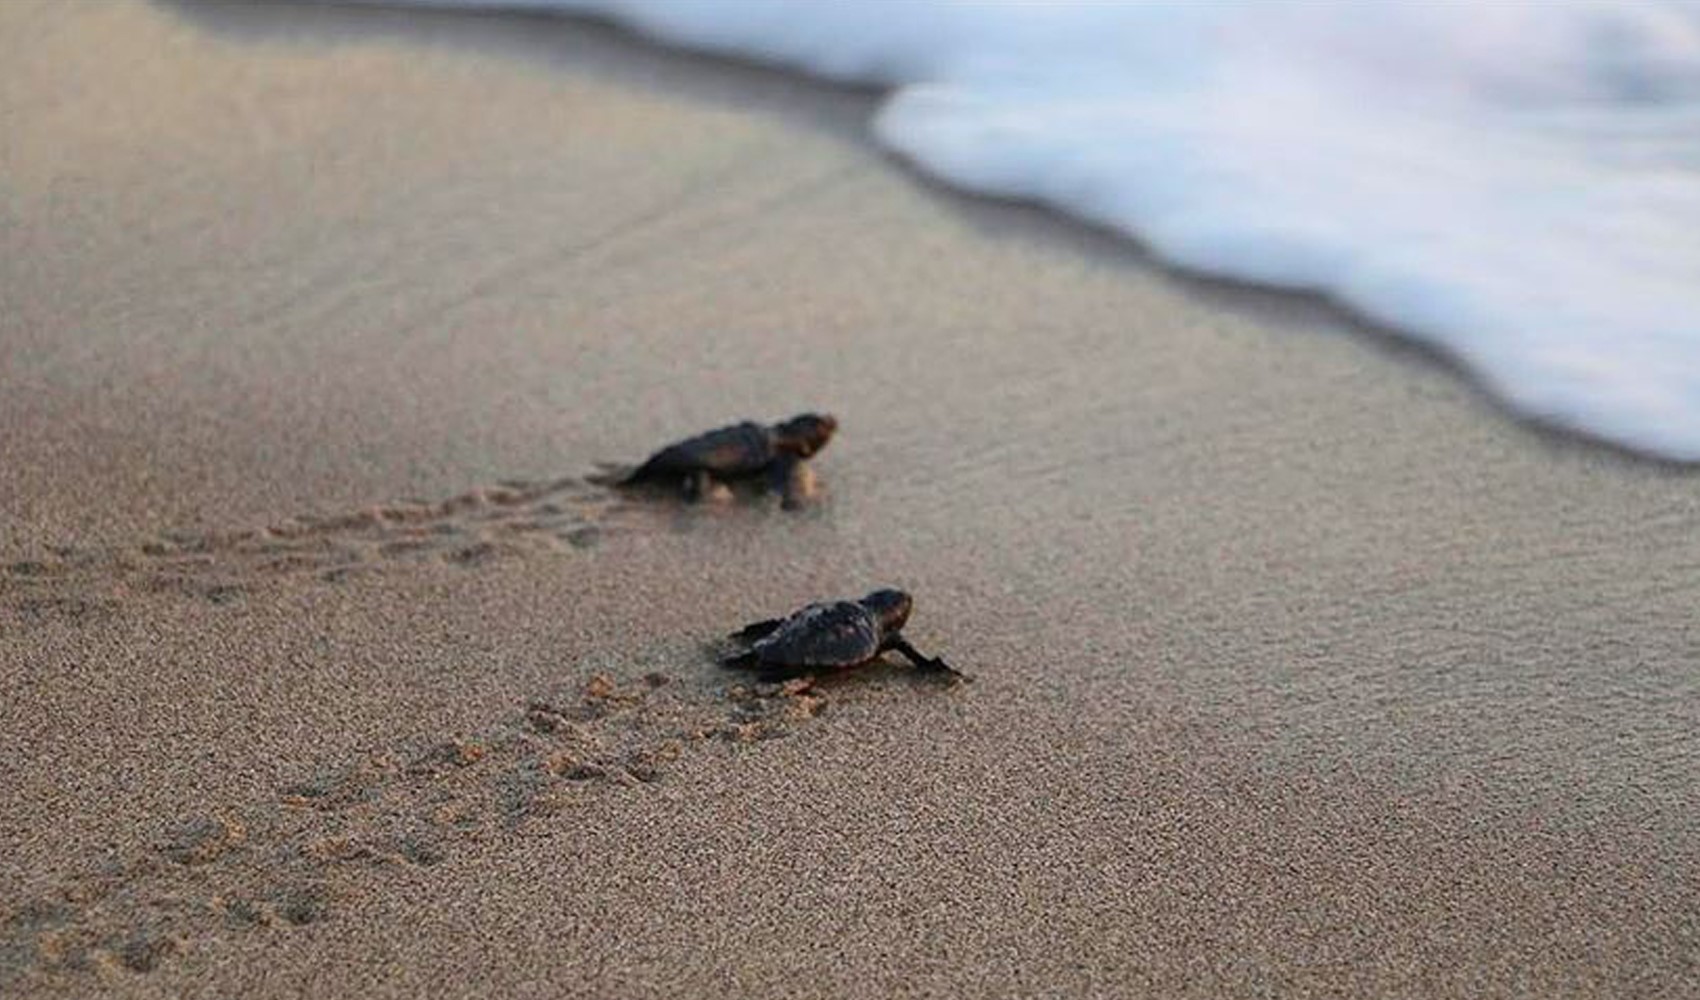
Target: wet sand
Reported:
point(1301, 668)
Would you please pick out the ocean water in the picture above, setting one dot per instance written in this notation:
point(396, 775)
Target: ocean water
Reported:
point(1514, 183)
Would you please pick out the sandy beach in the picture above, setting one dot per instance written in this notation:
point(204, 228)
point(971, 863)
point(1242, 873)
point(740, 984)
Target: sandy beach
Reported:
point(1301, 668)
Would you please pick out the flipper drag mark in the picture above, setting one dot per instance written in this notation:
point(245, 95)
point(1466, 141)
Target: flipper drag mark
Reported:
point(283, 863)
point(470, 530)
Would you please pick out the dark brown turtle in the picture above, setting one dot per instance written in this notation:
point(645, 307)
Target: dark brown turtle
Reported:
point(741, 452)
point(832, 636)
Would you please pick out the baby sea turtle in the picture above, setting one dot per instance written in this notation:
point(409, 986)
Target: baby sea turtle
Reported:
point(741, 452)
point(831, 636)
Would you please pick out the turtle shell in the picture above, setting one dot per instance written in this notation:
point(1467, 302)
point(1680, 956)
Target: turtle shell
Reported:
point(739, 450)
point(839, 634)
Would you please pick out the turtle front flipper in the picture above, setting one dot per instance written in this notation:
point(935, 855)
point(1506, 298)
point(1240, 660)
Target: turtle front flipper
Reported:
point(794, 480)
point(930, 664)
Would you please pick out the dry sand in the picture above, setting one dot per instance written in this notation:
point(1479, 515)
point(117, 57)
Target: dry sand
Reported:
point(1302, 670)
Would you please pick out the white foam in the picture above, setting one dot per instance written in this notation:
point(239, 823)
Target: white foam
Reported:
point(1517, 183)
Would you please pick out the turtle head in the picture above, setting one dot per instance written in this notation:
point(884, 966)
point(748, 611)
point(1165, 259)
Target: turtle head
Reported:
point(806, 434)
point(891, 607)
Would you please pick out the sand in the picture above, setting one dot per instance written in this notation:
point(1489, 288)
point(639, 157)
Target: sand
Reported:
point(1301, 668)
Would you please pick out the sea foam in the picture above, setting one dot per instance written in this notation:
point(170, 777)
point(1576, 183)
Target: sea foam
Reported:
point(1514, 183)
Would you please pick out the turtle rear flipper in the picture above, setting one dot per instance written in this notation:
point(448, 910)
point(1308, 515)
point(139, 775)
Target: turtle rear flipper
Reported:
point(700, 486)
point(767, 673)
point(757, 630)
point(664, 466)
point(656, 472)
point(746, 660)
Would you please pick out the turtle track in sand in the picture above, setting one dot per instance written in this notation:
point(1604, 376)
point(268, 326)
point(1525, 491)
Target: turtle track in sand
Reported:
point(82, 584)
point(293, 858)
point(287, 861)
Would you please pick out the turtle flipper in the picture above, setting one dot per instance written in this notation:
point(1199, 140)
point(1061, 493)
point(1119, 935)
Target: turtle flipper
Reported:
point(701, 486)
point(766, 673)
point(792, 478)
point(654, 470)
point(740, 661)
point(930, 664)
point(756, 630)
